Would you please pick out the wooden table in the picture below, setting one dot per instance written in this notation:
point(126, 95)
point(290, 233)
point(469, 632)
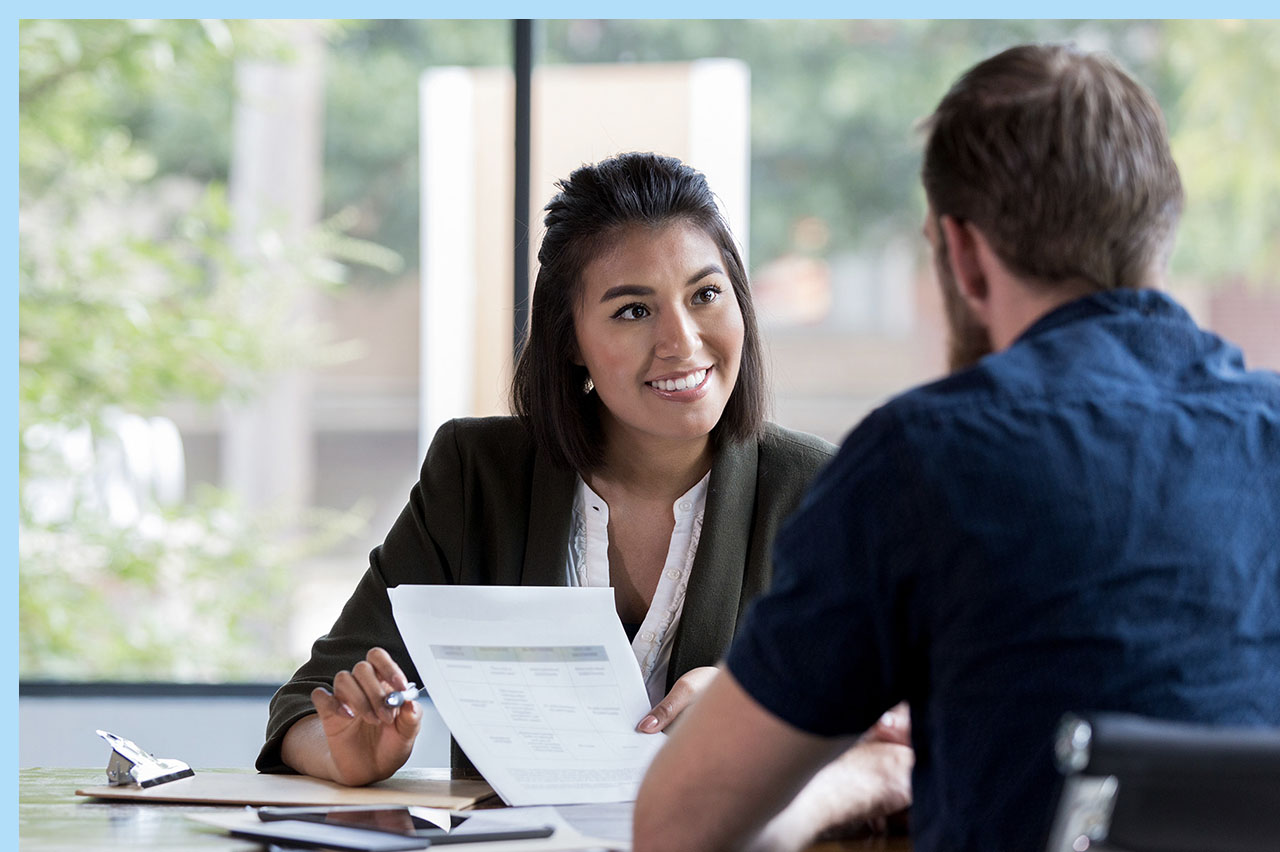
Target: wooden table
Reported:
point(51, 818)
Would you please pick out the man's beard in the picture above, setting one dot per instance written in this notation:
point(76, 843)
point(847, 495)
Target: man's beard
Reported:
point(968, 340)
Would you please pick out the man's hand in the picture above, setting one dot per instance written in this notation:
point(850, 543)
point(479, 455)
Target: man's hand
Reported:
point(683, 693)
point(892, 727)
point(855, 792)
point(355, 738)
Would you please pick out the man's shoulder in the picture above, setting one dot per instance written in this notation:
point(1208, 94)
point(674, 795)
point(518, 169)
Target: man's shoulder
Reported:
point(1021, 377)
point(1104, 362)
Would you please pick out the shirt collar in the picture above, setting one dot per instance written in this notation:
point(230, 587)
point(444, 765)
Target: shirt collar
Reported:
point(692, 501)
point(1149, 303)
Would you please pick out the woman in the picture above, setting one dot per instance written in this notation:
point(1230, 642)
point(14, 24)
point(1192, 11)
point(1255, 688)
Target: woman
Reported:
point(638, 458)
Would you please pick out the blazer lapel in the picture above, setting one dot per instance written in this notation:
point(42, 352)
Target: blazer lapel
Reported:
point(546, 545)
point(714, 595)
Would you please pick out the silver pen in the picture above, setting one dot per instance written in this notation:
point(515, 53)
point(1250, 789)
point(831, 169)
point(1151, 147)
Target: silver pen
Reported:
point(400, 696)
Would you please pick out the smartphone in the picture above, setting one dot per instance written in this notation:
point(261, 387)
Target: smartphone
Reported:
point(395, 819)
point(315, 834)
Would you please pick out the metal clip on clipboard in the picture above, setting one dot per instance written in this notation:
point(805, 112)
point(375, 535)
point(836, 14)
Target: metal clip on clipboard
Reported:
point(131, 765)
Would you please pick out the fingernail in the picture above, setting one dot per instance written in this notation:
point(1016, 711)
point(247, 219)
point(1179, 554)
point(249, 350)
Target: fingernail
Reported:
point(648, 724)
point(351, 714)
point(889, 720)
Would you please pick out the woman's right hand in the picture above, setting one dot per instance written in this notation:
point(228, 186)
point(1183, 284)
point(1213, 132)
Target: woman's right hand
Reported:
point(684, 692)
point(367, 741)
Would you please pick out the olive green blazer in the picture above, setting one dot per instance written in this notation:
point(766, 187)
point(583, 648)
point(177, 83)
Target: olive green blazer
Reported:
point(490, 509)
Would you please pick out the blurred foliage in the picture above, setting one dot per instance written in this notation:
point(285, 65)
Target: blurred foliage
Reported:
point(376, 173)
point(1226, 140)
point(130, 297)
point(190, 593)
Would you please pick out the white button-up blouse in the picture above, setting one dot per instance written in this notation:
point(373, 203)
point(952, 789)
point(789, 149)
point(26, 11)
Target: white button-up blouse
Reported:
point(588, 565)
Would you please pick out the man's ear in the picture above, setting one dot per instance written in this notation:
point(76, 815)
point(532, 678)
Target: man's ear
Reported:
point(966, 259)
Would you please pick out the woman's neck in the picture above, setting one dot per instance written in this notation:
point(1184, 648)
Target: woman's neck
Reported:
point(653, 468)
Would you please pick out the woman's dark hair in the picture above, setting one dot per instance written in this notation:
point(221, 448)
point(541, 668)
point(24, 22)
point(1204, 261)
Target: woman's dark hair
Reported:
point(589, 212)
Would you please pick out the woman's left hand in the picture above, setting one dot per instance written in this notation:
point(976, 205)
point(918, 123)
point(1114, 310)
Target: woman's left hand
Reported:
point(683, 693)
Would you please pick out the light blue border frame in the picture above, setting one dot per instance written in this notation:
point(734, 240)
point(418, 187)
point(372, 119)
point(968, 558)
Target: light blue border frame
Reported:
point(765, 9)
point(481, 9)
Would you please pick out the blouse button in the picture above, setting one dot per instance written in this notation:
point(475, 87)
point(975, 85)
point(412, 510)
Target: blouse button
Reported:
point(648, 637)
point(685, 505)
point(673, 574)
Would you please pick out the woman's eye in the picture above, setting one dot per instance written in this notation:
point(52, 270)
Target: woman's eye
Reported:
point(631, 312)
point(707, 295)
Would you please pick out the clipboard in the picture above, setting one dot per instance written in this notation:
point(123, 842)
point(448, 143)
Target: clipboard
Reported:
point(564, 839)
point(426, 787)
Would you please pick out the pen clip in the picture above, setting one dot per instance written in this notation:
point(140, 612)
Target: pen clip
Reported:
point(402, 696)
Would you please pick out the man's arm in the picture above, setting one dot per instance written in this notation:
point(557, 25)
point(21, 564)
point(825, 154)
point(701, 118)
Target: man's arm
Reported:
point(729, 767)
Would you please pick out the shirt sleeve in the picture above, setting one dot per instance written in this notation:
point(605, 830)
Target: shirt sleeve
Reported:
point(825, 649)
point(422, 547)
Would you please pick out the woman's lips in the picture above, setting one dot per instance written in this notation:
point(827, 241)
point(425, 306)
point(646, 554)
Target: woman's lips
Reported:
point(685, 387)
point(691, 379)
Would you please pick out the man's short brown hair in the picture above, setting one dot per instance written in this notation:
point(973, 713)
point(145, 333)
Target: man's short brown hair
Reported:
point(1062, 160)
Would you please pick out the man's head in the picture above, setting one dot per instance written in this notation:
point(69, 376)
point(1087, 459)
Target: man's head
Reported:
point(1062, 161)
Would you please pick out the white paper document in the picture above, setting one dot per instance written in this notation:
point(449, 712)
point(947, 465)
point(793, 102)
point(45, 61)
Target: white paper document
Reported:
point(538, 685)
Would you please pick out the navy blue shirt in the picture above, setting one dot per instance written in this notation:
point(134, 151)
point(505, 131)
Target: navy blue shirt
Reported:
point(1088, 520)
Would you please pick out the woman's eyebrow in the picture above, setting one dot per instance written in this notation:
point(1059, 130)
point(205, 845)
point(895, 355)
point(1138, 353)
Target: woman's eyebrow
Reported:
point(626, 290)
point(709, 269)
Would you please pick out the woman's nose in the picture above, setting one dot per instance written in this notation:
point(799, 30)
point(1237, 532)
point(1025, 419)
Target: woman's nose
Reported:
point(678, 336)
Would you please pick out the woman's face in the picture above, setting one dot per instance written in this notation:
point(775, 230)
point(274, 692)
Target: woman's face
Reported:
point(660, 332)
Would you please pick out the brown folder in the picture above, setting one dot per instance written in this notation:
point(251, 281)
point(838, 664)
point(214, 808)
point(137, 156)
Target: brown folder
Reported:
point(427, 787)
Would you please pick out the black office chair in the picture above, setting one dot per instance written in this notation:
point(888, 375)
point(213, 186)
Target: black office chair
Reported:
point(1145, 785)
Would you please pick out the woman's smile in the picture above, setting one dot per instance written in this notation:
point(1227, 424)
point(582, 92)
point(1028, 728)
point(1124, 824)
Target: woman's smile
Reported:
point(682, 386)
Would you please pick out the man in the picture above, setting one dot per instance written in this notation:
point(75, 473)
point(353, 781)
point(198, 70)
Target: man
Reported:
point(1084, 516)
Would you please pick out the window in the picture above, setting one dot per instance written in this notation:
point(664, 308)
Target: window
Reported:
point(220, 274)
